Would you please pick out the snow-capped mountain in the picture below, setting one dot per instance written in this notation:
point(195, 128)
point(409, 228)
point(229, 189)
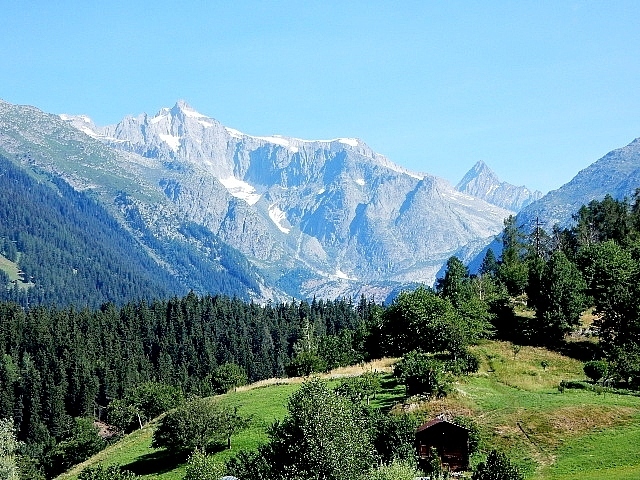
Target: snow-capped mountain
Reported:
point(483, 183)
point(315, 217)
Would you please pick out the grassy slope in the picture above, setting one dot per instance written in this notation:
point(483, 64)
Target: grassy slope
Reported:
point(13, 271)
point(264, 401)
point(551, 435)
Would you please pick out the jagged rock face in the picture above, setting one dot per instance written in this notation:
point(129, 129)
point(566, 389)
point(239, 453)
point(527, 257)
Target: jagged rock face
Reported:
point(483, 183)
point(327, 217)
point(336, 206)
point(617, 174)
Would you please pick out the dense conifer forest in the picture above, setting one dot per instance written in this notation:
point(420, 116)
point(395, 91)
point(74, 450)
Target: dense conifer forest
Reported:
point(64, 363)
point(70, 251)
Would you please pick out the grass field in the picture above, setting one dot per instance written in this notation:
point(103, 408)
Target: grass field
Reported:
point(12, 270)
point(514, 398)
point(264, 401)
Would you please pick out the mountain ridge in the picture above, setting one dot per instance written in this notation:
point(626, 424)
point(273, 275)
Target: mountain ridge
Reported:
point(482, 182)
point(280, 175)
point(617, 173)
point(326, 218)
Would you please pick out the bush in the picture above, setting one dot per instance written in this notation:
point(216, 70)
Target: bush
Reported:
point(142, 403)
point(203, 467)
point(101, 472)
point(228, 376)
point(596, 369)
point(394, 437)
point(360, 388)
point(306, 363)
point(465, 364)
point(197, 424)
point(497, 467)
point(423, 374)
point(323, 435)
point(82, 443)
point(396, 470)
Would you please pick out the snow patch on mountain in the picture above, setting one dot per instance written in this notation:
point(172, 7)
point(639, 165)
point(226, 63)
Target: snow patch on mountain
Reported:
point(342, 207)
point(190, 112)
point(280, 140)
point(279, 218)
point(171, 140)
point(241, 189)
point(233, 132)
point(340, 274)
point(385, 162)
point(158, 119)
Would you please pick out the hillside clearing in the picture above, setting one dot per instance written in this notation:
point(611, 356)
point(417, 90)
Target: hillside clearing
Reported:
point(513, 398)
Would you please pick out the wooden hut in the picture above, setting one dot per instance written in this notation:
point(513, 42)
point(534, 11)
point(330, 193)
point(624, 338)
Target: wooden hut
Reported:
point(449, 440)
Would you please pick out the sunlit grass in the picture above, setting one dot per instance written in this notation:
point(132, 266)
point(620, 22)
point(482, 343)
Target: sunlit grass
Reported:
point(514, 399)
point(527, 368)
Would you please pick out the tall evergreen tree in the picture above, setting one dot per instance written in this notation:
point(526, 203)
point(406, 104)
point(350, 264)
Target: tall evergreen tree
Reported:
point(561, 299)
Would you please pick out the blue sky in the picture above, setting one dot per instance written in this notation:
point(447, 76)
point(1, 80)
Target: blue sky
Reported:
point(538, 90)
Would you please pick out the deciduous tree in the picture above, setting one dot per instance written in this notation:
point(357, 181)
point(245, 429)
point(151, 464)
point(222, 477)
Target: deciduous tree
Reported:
point(198, 424)
point(497, 467)
point(8, 448)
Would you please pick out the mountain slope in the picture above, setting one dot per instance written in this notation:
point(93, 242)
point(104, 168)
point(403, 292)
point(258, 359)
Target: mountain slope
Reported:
point(70, 251)
point(335, 208)
point(307, 217)
point(617, 173)
point(186, 257)
point(483, 183)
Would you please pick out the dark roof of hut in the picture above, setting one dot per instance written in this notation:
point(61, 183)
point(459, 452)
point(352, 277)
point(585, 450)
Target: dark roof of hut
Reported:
point(436, 421)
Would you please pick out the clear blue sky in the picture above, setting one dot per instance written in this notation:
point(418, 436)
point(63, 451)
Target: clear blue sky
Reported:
point(538, 90)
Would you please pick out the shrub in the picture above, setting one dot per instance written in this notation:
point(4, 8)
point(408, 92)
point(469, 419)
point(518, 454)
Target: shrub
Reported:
point(497, 467)
point(201, 466)
point(198, 424)
point(596, 369)
point(112, 472)
point(396, 470)
point(422, 374)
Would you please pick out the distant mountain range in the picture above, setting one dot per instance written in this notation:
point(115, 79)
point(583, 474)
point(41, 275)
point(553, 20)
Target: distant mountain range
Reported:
point(275, 216)
point(483, 183)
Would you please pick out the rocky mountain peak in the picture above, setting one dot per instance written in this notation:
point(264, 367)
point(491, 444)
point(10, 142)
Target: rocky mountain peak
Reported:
point(482, 182)
point(182, 108)
point(479, 174)
point(319, 217)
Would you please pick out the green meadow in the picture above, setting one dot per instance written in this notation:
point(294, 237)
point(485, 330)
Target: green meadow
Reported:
point(514, 398)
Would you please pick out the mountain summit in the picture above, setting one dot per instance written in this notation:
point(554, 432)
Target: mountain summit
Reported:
point(483, 183)
point(309, 217)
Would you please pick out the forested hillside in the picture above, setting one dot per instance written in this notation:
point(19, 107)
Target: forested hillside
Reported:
point(594, 264)
point(63, 367)
point(70, 251)
point(61, 364)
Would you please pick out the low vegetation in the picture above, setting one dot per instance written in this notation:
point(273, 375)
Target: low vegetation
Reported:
point(545, 433)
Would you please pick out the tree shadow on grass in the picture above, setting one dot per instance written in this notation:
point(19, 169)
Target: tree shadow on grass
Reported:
point(580, 350)
point(391, 393)
point(160, 461)
point(163, 461)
